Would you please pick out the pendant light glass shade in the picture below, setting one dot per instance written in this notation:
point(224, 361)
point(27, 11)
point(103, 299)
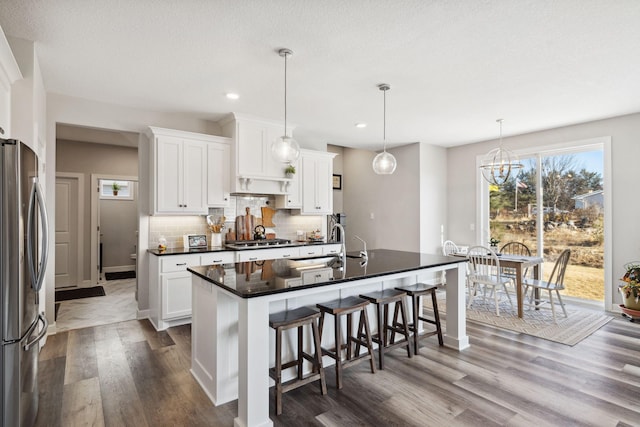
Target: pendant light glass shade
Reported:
point(500, 164)
point(285, 149)
point(384, 163)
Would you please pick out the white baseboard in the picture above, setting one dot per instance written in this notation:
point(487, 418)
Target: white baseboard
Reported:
point(142, 314)
point(119, 268)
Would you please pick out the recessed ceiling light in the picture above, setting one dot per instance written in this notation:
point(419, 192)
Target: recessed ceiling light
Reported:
point(361, 125)
point(233, 96)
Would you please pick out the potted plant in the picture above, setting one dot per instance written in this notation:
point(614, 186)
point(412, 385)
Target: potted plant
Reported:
point(493, 243)
point(289, 171)
point(115, 187)
point(630, 290)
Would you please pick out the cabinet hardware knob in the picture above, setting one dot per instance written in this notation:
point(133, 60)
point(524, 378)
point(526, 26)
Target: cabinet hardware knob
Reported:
point(217, 260)
point(253, 259)
point(184, 263)
point(1, 131)
point(286, 256)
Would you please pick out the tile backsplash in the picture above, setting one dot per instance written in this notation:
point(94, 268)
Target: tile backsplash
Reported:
point(173, 228)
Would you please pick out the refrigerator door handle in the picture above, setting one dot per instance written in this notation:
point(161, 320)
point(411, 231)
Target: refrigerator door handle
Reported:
point(42, 333)
point(36, 195)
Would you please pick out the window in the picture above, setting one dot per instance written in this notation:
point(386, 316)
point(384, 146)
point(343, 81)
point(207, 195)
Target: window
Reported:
point(112, 189)
point(557, 201)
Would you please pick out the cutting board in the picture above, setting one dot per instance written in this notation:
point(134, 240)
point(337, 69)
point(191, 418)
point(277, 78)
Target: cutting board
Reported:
point(245, 225)
point(267, 215)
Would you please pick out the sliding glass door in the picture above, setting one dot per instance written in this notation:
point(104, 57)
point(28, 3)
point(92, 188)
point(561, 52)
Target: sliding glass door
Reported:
point(557, 203)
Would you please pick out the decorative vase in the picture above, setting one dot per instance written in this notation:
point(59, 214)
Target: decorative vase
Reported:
point(216, 239)
point(630, 302)
point(115, 192)
point(288, 175)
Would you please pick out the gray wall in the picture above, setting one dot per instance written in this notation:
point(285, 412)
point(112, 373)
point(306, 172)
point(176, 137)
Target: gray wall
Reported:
point(338, 168)
point(408, 207)
point(87, 158)
point(118, 226)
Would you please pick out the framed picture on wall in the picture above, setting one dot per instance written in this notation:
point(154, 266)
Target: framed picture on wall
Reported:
point(337, 182)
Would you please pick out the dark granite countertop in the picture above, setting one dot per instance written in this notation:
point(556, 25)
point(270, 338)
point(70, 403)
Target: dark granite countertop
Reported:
point(258, 278)
point(187, 251)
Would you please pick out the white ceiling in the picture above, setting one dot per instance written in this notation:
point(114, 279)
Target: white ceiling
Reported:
point(454, 66)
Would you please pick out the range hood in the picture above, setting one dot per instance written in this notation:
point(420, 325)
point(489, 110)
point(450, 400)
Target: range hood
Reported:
point(253, 168)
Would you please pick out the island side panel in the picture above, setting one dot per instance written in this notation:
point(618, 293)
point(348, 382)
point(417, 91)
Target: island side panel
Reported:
point(214, 341)
point(456, 331)
point(253, 373)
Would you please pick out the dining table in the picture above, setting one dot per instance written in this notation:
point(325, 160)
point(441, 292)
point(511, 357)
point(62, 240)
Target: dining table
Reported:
point(519, 264)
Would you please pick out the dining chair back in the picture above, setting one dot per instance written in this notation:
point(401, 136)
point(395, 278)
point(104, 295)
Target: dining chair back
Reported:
point(448, 248)
point(514, 248)
point(554, 283)
point(485, 275)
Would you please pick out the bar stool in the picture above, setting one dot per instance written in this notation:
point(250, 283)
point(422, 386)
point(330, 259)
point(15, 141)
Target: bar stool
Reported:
point(415, 292)
point(348, 306)
point(290, 319)
point(382, 299)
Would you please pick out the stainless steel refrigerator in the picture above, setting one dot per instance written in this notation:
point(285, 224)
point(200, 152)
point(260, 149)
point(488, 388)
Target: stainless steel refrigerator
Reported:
point(23, 257)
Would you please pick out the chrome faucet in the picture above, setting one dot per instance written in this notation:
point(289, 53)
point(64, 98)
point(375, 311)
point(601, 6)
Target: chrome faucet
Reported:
point(363, 252)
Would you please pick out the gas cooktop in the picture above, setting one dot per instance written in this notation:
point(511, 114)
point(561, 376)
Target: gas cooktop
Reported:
point(252, 244)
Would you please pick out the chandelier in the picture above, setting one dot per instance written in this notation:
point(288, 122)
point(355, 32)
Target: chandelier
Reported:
point(499, 164)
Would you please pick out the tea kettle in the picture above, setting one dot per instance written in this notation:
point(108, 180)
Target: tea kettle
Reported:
point(259, 233)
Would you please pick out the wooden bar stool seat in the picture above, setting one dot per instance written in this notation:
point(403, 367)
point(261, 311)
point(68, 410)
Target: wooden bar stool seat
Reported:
point(290, 319)
point(415, 292)
point(348, 306)
point(387, 328)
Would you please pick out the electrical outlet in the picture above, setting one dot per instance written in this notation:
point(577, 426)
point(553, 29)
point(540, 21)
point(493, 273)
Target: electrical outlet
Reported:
point(372, 216)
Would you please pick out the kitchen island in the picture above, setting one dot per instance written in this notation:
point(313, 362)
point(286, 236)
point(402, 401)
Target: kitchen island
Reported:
point(231, 339)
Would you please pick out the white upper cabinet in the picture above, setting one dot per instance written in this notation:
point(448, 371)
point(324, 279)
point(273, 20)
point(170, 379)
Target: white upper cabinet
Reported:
point(293, 199)
point(9, 73)
point(317, 191)
point(180, 172)
point(218, 174)
point(254, 170)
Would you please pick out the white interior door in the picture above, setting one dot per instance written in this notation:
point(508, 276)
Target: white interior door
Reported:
point(67, 232)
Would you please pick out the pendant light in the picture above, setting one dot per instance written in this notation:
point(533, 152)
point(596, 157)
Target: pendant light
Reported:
point(500, 164)
point(285, 149)
point(384, 163)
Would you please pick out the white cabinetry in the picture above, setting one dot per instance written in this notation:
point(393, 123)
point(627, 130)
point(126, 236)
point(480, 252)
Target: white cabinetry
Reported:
point(9, 73)
point(170, 286)
point(293, 199)
point(180, 176)
point(317, 192)
point(261, 254)
point(218, 174)
point(254, 170)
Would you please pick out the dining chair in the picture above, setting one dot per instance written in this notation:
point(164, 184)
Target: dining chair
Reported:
point(448, 248)
point(485, 274)
point(554, 283)
point(514, 248)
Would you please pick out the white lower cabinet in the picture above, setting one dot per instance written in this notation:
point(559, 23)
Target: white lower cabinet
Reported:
point(261, 254)
point(170, 286)
point(176, 295)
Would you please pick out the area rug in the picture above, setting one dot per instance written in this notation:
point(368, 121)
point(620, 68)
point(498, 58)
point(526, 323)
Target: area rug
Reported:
point(68, 294)
point(538, 323)
point(117, 275)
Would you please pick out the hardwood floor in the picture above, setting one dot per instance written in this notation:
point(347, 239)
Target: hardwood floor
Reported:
point(127, 374)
